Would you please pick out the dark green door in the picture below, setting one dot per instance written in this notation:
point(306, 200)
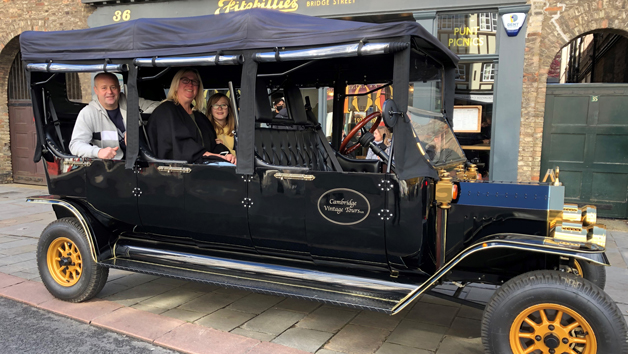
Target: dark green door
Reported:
point(585, 133)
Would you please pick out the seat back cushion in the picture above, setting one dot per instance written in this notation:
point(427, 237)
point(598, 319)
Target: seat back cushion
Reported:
point(296, 147)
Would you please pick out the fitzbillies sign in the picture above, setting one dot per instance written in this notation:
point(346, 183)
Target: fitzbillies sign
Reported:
point(110, 12)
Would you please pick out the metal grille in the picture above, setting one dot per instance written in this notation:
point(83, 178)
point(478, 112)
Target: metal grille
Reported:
point(18, 86)
point(73, 87)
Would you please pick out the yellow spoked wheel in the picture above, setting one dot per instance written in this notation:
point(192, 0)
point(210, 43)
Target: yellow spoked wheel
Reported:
point(551, 328)
point(64, 262)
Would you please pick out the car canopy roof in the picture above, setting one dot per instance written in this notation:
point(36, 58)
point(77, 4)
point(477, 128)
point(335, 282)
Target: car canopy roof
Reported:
point(245, 30)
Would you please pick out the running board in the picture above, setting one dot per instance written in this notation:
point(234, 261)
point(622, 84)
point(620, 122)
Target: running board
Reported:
point(337, 289)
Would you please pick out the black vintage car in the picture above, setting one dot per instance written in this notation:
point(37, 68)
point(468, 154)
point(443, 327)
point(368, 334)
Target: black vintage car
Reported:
point(298, 216)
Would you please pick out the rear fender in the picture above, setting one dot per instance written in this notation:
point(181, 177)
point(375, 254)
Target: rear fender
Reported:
point(93, 229)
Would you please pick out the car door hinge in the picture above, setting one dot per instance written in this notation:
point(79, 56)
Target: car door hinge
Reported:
point(394, 273)
point(385, 214)
point(247, 178)
point(247, 202)
point(137, 192)
point(385, 185)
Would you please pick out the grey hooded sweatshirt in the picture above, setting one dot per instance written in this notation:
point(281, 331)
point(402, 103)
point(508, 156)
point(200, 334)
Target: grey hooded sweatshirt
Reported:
point(92, 119)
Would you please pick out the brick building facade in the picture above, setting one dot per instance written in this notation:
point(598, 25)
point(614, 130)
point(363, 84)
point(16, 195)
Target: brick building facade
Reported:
point(553, 24)
point(29, 15)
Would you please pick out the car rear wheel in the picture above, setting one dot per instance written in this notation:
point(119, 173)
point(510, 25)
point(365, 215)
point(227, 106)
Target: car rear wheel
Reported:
point(65, 264)
point(552, 312)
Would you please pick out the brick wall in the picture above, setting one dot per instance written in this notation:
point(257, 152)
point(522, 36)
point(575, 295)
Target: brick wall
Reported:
point(553, 24)
point(29, 15)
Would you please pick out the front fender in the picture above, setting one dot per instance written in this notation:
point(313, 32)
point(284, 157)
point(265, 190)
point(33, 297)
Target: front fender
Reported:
point(579, 250)
point(585, 251)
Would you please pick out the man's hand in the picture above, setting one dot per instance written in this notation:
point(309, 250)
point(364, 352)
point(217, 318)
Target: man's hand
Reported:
point(107, 153)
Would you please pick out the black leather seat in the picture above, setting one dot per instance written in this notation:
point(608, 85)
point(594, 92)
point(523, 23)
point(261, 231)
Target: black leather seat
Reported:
point(147, 154)
point(358, 165)
point(292, 146)
point(53, 143)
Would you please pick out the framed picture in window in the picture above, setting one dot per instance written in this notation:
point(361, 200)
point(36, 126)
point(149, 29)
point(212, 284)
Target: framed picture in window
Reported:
point(467, 119)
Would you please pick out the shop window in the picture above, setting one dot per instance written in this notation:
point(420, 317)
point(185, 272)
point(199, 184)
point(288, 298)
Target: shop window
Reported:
point(488, 72)
point(473, 33)
point(449, 22)
point(476, 94)
point(488, 22)
point(426, 77)
point(360, 102)
point(461, 72)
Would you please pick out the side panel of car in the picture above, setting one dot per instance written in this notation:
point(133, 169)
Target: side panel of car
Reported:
point(276, 213)
point(65, 180)
point(345, 216)
point(467, 224)
point(404, 223)
point(214, 205)
point(162, 201)
point(111, 189)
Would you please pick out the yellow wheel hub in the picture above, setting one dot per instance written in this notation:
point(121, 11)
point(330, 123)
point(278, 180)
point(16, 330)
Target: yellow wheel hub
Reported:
point(64, 261)
point(551, 328)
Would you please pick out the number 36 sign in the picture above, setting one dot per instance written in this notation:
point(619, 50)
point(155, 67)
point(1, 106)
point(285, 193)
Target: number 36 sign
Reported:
point(122, 15)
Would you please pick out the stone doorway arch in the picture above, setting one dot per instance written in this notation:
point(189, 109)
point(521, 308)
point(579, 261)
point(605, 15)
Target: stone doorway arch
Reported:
point(551, 25)
point(23, 135)
point(585, 123)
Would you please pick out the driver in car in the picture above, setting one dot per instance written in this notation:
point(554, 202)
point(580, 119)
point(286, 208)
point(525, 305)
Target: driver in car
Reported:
point(437, 150)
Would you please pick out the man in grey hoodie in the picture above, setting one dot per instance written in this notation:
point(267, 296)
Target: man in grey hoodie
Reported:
point(100, 128)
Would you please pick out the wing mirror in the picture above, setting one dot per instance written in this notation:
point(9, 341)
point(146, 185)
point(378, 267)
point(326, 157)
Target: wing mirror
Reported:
point(390, 113)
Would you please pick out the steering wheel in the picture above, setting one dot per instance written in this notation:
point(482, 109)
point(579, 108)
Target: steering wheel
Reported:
point(344, 149)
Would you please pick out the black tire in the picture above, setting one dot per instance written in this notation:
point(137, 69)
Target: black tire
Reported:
point(589, 271)
point(579, 299)
point(592, 272)
point(79, 278)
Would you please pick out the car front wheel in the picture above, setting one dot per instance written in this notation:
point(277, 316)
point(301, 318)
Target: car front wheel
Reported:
point(65, 264)
point(589, 271)
point(552, 312)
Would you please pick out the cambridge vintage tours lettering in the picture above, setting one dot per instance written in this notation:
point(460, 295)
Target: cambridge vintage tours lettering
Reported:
point(226, 6)
point(343, 206)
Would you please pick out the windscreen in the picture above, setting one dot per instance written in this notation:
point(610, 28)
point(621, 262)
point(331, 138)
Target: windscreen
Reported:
point(435, 138)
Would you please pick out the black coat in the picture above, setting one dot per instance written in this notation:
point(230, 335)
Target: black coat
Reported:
point(174, 136)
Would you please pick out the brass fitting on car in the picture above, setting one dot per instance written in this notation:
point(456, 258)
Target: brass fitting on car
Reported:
point(472, 173)
point(461, 173)
point(444, 191)
point(579, 225)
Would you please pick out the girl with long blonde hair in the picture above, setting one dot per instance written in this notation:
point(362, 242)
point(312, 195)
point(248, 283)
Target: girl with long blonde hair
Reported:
point(221, 116)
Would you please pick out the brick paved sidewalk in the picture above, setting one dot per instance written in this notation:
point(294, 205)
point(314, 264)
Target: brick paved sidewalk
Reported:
point(205, 318)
